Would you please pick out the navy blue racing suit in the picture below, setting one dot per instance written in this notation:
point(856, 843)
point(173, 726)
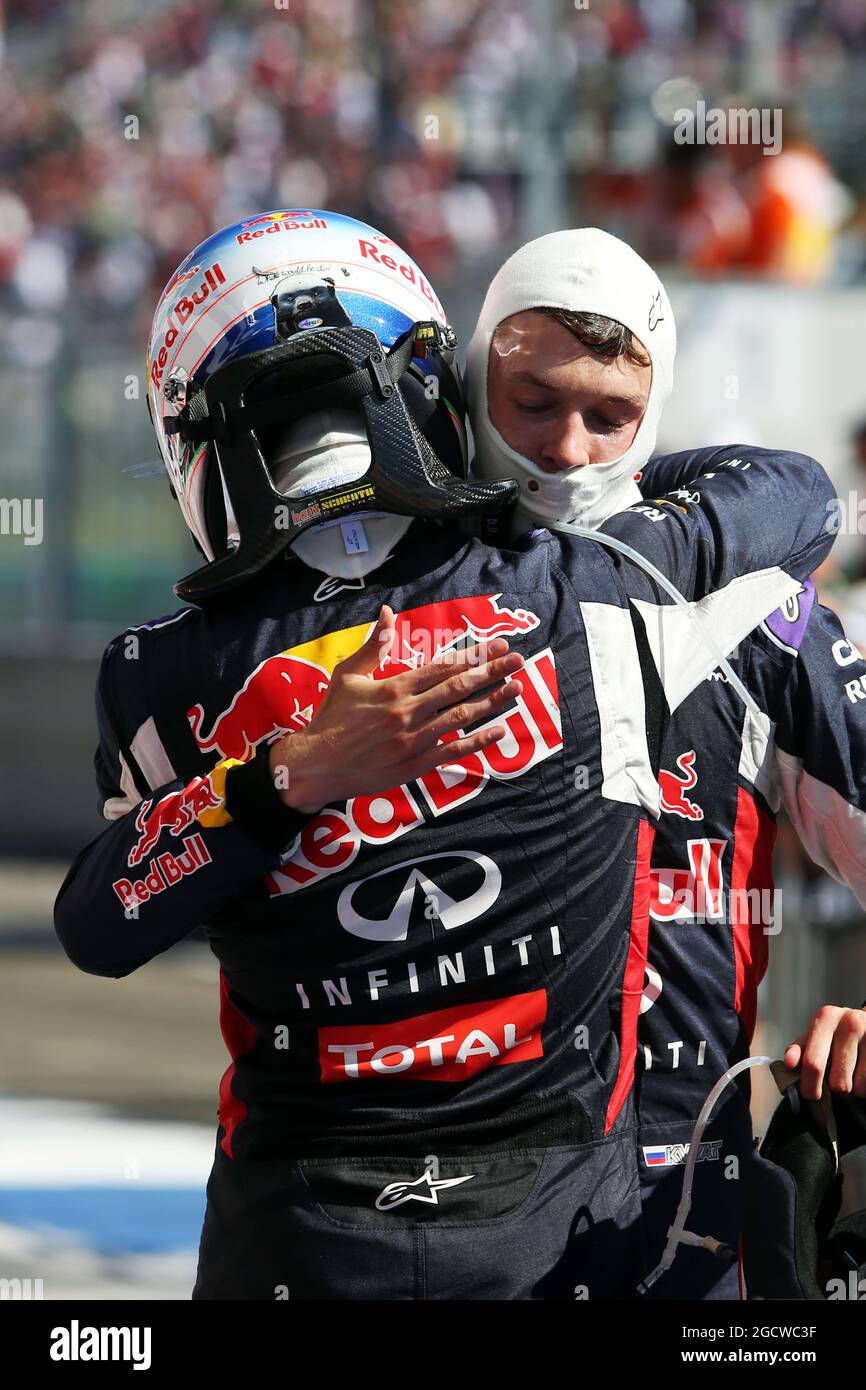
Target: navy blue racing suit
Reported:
point(429, 996)
point(713, 913)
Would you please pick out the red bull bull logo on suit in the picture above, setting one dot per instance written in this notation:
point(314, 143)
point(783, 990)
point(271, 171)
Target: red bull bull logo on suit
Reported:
point(673, 788)
point(163, 872)
point(284, 692)
point(175, 812)
point(280, 697)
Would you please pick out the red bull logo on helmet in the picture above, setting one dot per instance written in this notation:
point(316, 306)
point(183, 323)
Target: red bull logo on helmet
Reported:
point(180, 313)
point(266, 218)
point(371, 252)
point(280, 222)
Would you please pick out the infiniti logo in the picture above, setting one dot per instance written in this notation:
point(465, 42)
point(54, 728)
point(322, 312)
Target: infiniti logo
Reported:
point(395, 887)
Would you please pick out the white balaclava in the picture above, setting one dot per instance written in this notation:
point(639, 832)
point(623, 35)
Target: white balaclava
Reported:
point(328, 449)
point(585, 271)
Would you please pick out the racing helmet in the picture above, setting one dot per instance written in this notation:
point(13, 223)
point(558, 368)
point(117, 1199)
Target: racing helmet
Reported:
point(265, 325)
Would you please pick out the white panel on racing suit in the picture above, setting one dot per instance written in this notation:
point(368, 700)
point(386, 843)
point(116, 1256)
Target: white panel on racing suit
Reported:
point(619, 692)
point(728, 615)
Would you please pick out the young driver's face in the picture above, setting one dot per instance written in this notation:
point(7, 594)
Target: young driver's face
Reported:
point(555, 401)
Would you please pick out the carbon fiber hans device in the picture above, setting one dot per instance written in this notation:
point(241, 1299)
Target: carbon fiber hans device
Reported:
point(405, 476)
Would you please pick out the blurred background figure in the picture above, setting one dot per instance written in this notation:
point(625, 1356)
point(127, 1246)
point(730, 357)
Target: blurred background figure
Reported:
point(131, 130)
point(733, 210)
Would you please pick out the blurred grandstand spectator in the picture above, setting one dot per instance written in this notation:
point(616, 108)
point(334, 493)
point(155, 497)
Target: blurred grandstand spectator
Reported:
point(795, 206)
point(129, 131)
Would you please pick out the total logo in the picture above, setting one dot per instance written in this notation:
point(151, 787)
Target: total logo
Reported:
point(446, 1045)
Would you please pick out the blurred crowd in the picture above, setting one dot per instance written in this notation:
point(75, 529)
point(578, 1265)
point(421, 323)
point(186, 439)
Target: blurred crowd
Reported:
point(129, 129)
